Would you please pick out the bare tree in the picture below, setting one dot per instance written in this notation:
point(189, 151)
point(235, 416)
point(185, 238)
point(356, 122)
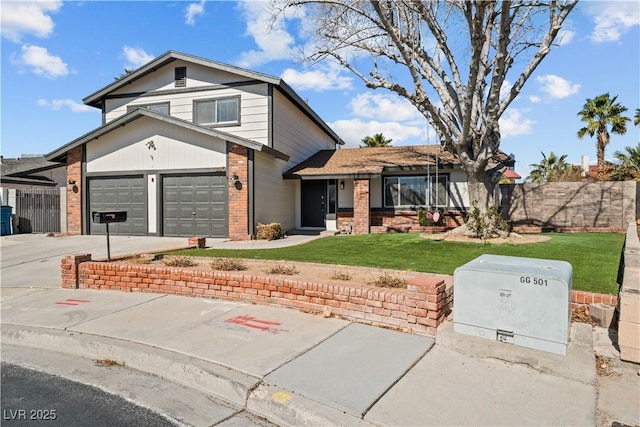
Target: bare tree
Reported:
point(449, 58)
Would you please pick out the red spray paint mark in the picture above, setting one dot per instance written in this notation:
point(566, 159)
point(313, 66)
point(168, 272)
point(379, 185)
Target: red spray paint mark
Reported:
point(252, 322)
point(71, 301)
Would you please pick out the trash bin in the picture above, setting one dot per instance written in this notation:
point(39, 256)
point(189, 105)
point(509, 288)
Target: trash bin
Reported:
point(5, 218)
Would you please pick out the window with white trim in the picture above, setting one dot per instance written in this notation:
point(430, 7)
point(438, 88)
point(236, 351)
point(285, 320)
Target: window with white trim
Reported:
point(215, 112)
point(411, 191)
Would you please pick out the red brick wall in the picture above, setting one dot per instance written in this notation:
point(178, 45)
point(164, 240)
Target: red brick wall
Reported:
point(405, 221)
point(418, 309)
point(238, 164)
point(361, 208)
point(586, 298)
point(74, 192)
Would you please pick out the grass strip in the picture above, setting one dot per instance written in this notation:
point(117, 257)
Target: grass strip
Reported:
point(595, 257)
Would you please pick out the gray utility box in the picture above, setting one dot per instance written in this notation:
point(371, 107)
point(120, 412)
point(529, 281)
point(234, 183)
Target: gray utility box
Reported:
point(521, 301)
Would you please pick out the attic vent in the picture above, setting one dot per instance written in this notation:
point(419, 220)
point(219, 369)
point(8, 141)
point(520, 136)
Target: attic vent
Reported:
point(181, 76)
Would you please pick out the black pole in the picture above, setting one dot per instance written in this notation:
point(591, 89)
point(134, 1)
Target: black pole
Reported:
point(108, 248)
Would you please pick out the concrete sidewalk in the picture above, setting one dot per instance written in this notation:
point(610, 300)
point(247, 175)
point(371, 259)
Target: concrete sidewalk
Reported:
point(300, 369)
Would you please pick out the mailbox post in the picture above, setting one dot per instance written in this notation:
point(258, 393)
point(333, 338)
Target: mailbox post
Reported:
point(107, 218)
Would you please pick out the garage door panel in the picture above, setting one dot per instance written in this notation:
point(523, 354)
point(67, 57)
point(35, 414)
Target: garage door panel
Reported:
point(122, 194)
point(204, 195)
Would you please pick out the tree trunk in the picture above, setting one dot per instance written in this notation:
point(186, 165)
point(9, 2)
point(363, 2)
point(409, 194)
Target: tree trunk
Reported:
point(484, 217)
point(481, 189)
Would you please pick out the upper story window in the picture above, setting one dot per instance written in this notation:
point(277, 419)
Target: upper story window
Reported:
point(217, 112)
point(160, 107)
point(410, 191)
point(180, 76)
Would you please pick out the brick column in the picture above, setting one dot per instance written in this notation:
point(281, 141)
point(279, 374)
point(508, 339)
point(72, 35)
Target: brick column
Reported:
point(361, 209)
point(74, 191)
point(69, 267)
point(238, 165)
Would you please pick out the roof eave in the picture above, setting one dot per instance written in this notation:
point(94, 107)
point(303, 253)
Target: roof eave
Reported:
point(95, 99)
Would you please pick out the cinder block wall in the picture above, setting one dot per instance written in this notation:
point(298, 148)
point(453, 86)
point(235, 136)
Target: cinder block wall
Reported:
point(629, 298)
point(571, 206)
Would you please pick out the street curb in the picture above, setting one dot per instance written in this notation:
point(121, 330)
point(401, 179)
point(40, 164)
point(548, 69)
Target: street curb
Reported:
point(291, 409)
point(234, 387)
point(222, 382)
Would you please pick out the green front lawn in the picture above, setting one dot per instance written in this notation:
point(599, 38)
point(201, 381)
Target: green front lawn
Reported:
point(595, 256)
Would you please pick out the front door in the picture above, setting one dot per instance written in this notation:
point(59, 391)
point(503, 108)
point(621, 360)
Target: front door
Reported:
point(313, 203)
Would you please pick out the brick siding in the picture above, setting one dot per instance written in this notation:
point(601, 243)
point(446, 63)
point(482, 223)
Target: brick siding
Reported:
point(74, 191)
point(238, 164)
point(361, 210)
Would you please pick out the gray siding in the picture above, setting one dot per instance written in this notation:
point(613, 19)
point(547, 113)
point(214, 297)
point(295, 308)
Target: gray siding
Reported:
point(253, 98)
point(296, 134)
point(275, 199)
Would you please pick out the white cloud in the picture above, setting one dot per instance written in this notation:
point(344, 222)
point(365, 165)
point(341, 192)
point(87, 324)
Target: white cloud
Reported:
point(319, 80)
point(58, 104)
point(18, 18)
point(513, 124)
point(612, 19)
point(273, 40)
point(535, 99)
point(41, 62)
point(383, 106)
point(135, 57)
point(557, 87)
point(193, 10)
point(352, 131)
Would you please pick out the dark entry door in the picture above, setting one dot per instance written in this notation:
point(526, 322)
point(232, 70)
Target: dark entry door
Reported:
point(313, 203)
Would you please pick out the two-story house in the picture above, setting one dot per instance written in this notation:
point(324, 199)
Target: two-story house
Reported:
point(193, 147)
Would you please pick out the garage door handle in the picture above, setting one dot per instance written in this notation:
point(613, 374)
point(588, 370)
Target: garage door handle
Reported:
point(194, 214)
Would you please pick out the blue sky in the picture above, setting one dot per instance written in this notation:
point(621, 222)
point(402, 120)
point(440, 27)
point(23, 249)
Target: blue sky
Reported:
point(56, 53)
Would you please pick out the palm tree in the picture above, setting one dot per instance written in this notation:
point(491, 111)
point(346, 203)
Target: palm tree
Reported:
point(377, 140)
point(636, 120)
point(600, 113)
point(629, 163)
point(551, 168)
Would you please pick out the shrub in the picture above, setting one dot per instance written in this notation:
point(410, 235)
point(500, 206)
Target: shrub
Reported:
point(139, 259)
point(178, 261)
point(341, 275)
point(229, 264)
point(429, 218)
point(271, 231)
point(492, 224)
point(288, 270)
point(389, 281)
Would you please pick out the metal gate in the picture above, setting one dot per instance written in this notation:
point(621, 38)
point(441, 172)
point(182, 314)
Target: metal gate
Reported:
point(38, 211)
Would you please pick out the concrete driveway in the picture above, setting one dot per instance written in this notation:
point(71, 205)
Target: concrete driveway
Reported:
point(33, 260)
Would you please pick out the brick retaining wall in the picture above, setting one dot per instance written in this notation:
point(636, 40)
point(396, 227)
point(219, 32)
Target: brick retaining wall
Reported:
point(418, 309)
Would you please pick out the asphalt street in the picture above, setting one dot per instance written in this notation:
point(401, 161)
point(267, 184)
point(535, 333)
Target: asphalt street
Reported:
point(34, 398)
